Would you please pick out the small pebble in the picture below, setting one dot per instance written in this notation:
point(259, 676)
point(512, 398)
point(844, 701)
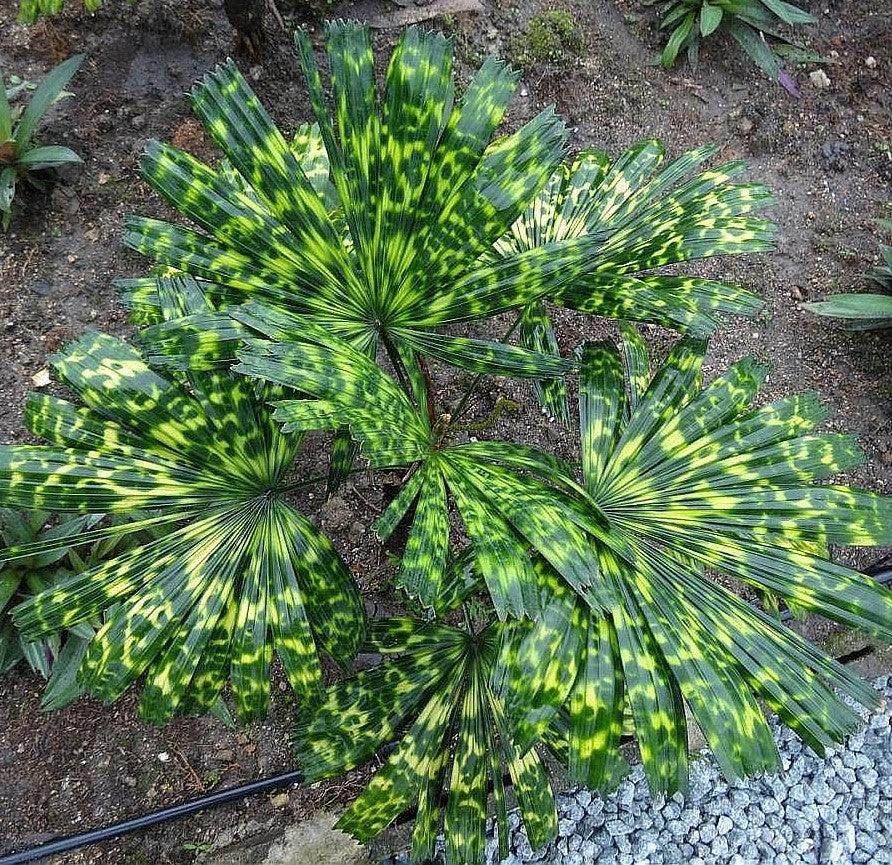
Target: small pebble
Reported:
point(819, 79)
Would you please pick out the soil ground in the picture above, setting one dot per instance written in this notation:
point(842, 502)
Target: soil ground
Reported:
point(826, 156)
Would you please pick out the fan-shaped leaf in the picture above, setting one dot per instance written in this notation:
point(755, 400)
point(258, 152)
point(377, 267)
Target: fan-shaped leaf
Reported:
point(446, 690)
point(692, 480)
point(241, 575)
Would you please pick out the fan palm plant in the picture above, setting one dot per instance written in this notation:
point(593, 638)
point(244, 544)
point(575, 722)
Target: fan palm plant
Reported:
point(423, 193)
point(420, 196)
point(449, 691)
point(388, 221)
point(239, 574)
point(692, 480)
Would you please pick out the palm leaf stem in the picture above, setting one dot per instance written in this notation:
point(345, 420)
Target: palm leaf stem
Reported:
point(397, 362)
point(475, 382)
point(318, 479)
point(469, 624)
point(429, 388)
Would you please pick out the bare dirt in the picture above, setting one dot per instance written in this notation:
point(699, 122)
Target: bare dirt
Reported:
point(827, 157)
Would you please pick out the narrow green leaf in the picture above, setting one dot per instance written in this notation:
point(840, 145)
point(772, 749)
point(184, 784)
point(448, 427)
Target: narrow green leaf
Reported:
point(62, 687)
point(537, 334)
point(788, 13)
point(51, 156)
point(465, 820)
point(710, 18)
point(45, 94)
point(756, 47)
point(424, 561)
point(485, 356)
point(677, 40)
point(636, 365)
point(595, 708)
point(601, 405)
point(399, 506)
point(5, 113)
point(855, 307)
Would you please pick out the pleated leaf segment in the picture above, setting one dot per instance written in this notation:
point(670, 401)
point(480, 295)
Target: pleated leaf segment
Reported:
point(695, 481)
point(421, 187)
point(238, 576)
point(502, 492)
point(445, 694)
point(644, 216)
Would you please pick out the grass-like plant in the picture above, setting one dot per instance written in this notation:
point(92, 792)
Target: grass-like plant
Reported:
point(548, 599)
point(20, 153)
point(867, 311)
point(756, 25)
point(57, 656)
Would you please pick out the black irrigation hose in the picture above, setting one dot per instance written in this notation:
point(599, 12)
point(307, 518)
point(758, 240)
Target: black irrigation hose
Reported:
point(881, 572)
point(184, 809)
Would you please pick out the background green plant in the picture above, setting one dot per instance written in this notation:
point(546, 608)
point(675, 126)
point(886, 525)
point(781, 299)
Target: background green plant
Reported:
point(756, 25)
point(552, 600)
point(864, 311)
point(20, 154)
point(57, 656)
point(31, 10)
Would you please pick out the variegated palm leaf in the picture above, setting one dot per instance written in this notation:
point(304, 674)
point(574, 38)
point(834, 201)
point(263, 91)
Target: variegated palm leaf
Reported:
point(501, 491)
point(241, 574)
point(142, 295)
point(449, 693)
point(644, 216)
point(694, 481)
point(421, 188)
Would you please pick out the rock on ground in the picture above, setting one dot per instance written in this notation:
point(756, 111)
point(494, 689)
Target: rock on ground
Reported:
point(316, 842)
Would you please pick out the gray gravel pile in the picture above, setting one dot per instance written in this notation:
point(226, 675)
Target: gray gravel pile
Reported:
point(832, 811)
